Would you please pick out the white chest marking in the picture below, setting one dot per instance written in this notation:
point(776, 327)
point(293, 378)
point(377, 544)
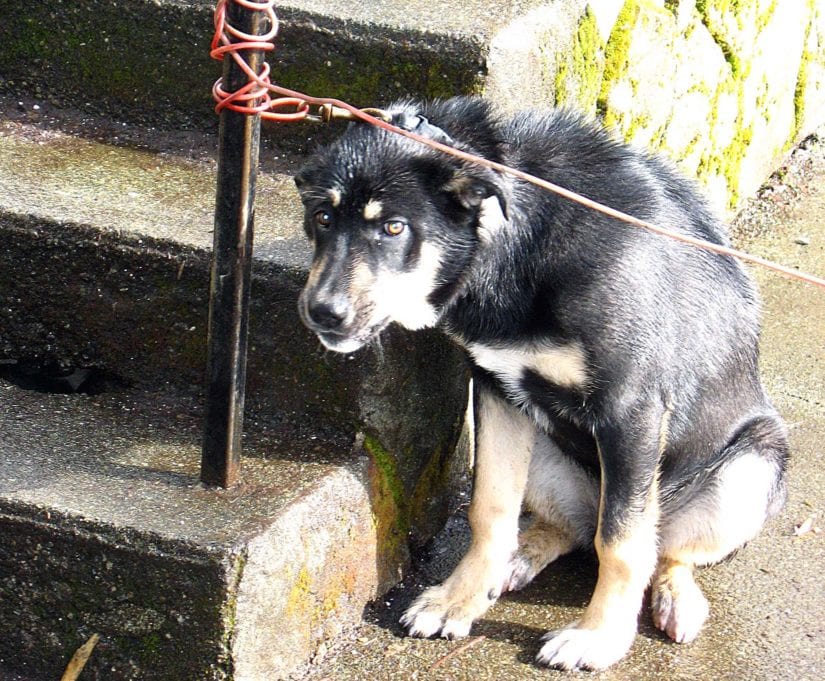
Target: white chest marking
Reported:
point(562, 365)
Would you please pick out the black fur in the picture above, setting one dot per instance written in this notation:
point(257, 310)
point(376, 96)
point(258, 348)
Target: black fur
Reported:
point(665, 328)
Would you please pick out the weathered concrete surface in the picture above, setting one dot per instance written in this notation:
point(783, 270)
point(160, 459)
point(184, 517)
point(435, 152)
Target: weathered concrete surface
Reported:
point(148, 60)
point(724, 88)
point(106, 530)
point(105, 265)
point(766, 601)
point(123, 288)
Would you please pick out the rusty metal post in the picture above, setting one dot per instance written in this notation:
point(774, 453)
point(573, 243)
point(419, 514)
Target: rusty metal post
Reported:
point(231, 269)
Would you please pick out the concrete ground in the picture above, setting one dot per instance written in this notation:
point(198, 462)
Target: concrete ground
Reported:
point(767, 601)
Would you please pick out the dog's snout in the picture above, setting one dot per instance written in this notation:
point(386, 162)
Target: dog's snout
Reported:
point(327, 315)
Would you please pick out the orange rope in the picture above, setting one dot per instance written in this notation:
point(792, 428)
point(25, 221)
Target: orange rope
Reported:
point(259, 87)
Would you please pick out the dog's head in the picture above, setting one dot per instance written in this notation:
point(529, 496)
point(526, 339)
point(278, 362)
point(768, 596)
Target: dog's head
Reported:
point(395, 226)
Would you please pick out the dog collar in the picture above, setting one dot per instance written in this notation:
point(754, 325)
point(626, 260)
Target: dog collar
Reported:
point(418, 124)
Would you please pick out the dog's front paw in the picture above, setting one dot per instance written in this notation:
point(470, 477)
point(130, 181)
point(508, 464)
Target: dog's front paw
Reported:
point(436, 611)
point(594, 649)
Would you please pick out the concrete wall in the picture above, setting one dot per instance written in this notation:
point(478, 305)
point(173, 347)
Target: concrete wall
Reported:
point(723, 87)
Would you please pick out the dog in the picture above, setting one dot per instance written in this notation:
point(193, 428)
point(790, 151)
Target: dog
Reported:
point(616, 383)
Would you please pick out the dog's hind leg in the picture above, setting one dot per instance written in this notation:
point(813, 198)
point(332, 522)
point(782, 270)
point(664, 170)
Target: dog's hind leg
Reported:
point(504, 443)
point(677, 604)
point(704, 526)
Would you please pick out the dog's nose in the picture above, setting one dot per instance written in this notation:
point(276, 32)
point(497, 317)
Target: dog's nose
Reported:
point(326, 315)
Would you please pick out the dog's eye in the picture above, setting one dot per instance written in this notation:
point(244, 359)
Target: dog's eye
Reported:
point(323, 218)
point(394, 227)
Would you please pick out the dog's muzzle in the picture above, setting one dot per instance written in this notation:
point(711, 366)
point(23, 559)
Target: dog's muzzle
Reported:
point(333, 320)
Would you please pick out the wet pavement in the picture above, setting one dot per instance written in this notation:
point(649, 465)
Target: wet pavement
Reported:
point(767, 601)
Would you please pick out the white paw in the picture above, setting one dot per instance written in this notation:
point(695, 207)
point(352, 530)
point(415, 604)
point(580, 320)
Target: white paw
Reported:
point(593, 649)
point(435, 611)
point(680, 613)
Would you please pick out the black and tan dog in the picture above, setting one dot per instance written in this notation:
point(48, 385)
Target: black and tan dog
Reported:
point(617, 386)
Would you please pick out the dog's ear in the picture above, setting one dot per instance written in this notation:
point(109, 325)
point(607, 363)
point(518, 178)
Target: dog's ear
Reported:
point(470, 185)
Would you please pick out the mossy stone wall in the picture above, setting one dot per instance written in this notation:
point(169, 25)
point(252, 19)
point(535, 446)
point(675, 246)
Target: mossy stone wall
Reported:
point(723, 87)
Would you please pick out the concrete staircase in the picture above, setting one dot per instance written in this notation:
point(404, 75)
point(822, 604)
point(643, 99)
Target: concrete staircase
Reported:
point(107, 166)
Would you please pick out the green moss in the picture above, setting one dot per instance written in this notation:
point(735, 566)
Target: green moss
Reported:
point(801, 87)
point(579, 75)
point(299, 598)
point(727, 162)
point(616, 54)
point(724, 19)
point(229, 609)
point(390, 509)
point(764, 18)
point(431, 478)
point(377, 79)
point(119, 58)
point(637, 123)
point(151, 647)
point(388, 468)
point(731, 162)
point(799, 97)
point(710, 13)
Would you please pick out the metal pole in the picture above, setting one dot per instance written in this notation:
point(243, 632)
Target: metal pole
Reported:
point(231, 268)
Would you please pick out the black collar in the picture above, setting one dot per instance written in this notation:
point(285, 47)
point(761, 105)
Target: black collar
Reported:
point(419, 125)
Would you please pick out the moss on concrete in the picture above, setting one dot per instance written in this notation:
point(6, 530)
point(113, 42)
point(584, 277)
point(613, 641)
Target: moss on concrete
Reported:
point(299, 599)
point(390, 509)
point(710, 12)
point(229, 610)
point(732, 25)
point(616, 56)
point(580, 72)
point(726, 162)
point(156, 622)
point(432, 478)
point(801, 87)
point(148, 61)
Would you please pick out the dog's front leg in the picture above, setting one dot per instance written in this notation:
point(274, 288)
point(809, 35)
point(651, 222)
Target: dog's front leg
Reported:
point(504, 443)
point(626, 546)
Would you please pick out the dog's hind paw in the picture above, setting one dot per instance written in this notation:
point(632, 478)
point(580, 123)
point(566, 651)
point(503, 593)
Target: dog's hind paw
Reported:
point(433, 613)
point(678, 606)
point(573, 648)
point(521, 572)
point(539, 545)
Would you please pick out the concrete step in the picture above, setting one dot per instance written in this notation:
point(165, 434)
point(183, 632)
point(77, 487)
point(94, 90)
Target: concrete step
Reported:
point(115, 241)
point(147, 60)
point(106, 530)
point(724, 90)
point(104, 276)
